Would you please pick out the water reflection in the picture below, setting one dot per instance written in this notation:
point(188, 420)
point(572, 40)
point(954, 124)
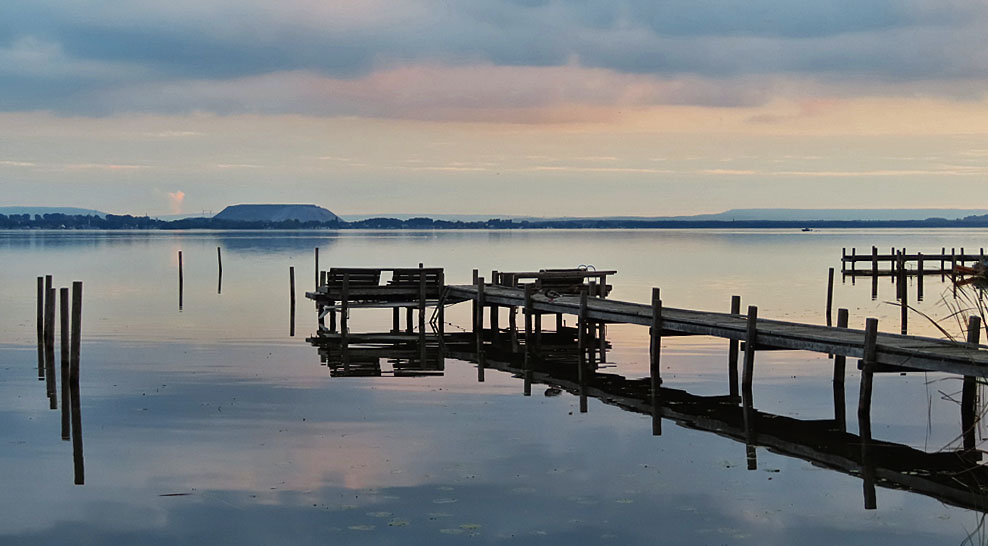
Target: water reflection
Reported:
point(955, 477)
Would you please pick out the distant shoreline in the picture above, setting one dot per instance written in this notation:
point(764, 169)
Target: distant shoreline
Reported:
point(127, 222)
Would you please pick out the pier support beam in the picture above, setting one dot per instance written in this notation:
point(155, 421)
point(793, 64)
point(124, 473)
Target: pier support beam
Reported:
point(969, 417)
point(732, 352)
point(830, 296)
point(840, 404)
point(655, 373)
point(582, 370)
point(864, 412)
point(750, 343)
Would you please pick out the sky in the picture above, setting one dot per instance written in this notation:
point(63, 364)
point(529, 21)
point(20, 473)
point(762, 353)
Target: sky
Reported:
point(511, 107)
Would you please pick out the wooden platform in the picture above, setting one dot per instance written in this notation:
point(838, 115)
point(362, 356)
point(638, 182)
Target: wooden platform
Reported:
point(914, 352)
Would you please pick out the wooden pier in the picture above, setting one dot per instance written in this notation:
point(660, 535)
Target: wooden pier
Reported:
point(917, 263)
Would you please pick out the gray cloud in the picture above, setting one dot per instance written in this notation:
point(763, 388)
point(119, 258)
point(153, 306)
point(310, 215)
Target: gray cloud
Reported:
point(69, 56)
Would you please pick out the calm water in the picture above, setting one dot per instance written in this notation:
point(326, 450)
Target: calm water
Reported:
point(211, 425)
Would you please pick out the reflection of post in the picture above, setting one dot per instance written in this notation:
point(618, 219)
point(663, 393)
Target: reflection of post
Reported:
point(655, 370)
point(50, 347)
point(969, 390)
point(63, 316)
point(748, 418)
point(840, 412)
point(874, 288)
point(181, 281)
point(291, 281)
point(732, 352)
point(80, 476)
point(41, 328)
point(864, 412)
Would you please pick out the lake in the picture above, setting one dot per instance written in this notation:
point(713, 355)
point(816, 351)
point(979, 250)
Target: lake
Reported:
point(210, 424)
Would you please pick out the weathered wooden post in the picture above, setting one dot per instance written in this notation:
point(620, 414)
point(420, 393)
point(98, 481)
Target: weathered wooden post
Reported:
point(478, 321)
point(874, 261)
point(317, 267)
point(732, 352)
point(76, 413)
point(582, 370)
point(830, 296)
point(840, 411)
point(864, 412)
point(422, 298)
point(969, 390)
point(219, 270)
point(919, 276)
point(495, 311)
point(63, 330)
point(655, 350)
point(291, 281)
point(181, 280)
point(50, 348)
point(41, 328)
point(750, 342)
point(843, 260)
point(904, 297)
point(345, 307)
point(529, 290)
point(441, 310)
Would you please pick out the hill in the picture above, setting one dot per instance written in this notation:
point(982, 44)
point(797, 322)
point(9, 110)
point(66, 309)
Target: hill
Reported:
point(276, 213)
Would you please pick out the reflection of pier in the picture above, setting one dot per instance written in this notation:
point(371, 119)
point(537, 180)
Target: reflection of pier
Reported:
point(559, 362)
point(361, 355)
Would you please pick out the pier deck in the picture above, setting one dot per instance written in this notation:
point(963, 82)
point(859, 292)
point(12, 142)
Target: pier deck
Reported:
point(891, 349)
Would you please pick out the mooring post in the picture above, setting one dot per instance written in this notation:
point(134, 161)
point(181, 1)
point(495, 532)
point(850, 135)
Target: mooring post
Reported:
point(495, 310)
point(904, 297)
point(478, 323)
point(181, 281)
point(919, 276)
point(345, 308)
point(874, 261)
point(750, 342)
point(840, 406)
point(830, 296)
point(943, 253)
point(63, 330)
point(41, 328)
point(843, 259)
point(317, 268)
point(441, 311)
point(969, 390)
point(291, 282)
point(76, 414)
point(854, 261)
point(732, 352)
point(892, 264)
point(422, 297)
point(476, 275)
point(864, 412)
point(50, 348)
point(655, 353)
point(582, 369)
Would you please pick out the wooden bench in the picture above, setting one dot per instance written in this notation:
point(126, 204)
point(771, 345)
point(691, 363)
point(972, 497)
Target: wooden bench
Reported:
point(562, 281)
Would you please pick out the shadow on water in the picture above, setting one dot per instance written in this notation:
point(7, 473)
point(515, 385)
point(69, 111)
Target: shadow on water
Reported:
point(954, 477)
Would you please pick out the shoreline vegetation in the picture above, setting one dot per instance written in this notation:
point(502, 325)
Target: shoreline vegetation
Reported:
point(128, 222)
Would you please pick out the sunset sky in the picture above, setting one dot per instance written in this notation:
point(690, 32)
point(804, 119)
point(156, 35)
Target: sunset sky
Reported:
point(521, 107)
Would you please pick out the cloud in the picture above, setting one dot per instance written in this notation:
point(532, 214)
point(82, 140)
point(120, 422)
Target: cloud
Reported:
point(74, 56)
point(176, 199)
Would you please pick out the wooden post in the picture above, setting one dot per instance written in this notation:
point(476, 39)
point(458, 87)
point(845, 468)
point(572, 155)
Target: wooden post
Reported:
point(441, 310)
point(903, 297)
point(422, 298)
point(919, 276)
point(581, 364)
point(41, 328)
point(969, 391)
point(291, 281)
point(840, 411)
point(219, 271)
point(478, 307)
point(495, 281)
point(345, 307)
point(874, 261)
point(732, 352)
point(76, 414)
point(867, 370)
point(750, 342)
point(181, 281)
point(874, 287)
point(50, 347)
point(529, 289)
point(476, 275)
point(830, 296)
point(395, 320)
point(854, 263)
point(317, 267)
point(655, 369)
point(843, 259)
point(513, 327)
point(63, 329)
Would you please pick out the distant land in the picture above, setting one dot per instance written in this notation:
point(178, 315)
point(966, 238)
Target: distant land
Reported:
point(309, 216)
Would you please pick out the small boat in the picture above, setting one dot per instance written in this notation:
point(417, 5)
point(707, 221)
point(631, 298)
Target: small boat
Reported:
point(807, 229)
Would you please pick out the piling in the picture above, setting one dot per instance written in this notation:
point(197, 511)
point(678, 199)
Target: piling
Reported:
point(874, 260)
point(830, 296)
point(478, 318)
point(291, 282)
point(749, 352)
point(529, 290)
point(76, 414)
point(904, 298)
point(181, 281)
point(317, 267)
point(219, 271)
point(732, 352)
point(919, 276)
point(969, 391)
point(582, 370)
point(63, 330)
point(867, 371)
point(840, 412)
point(422, 299)
point(655, 374)
point(494, 308)
point(50, 347)
point(41, 328)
